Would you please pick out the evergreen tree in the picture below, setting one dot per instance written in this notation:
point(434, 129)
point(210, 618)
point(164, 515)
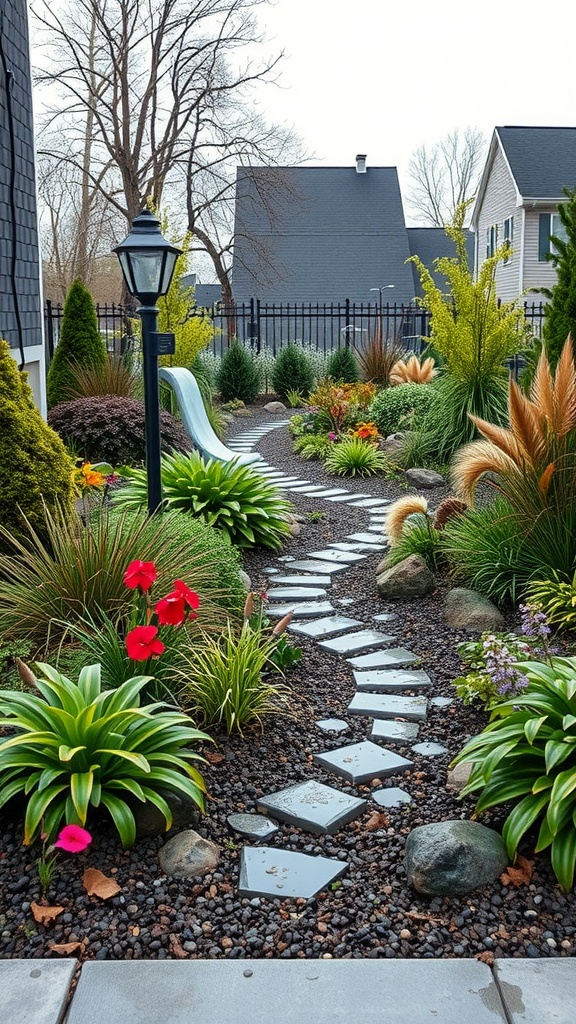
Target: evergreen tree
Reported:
point(79, 343)
point(560, 314)
point(238, 375)
point(342, 366)
point(292, 372)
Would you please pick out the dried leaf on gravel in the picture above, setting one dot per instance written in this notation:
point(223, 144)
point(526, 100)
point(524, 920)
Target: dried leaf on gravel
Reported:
point(45, 915)
point(213, 757)
point(376, 821)
point(487, 957)
point(176, 948)
point(519, 874)
point(66, 948)
point(97, 884)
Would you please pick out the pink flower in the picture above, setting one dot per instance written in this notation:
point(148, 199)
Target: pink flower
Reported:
point(140, 575)
point(141, 643)
point(73, 839)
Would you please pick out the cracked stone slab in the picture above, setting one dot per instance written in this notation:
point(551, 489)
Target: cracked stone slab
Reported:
point(313, 807)
point(265, 871)
point(385, 705)
point(336, 725)
point(303, 610)
point(430, 749)
point(325, 626)
point(35, 991)
point(394, 657)
point(399, 734)
point(392, 797)
point(538, 991)
point(391, 680)
point(252, 826)
point(330, 555)
point(360, 641)
point(316, 566)
point(361, 762)
point(295, 593)
point(367, 538)
point(304, 581)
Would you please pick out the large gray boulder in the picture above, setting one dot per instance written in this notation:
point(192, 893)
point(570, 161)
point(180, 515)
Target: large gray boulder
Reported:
point(448, 858)
point(188, 855)
point(466, 609)
point(409, 578)
point(275, 407)
point(424, 478)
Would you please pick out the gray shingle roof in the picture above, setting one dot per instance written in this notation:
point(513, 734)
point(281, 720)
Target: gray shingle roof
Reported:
point(542, 160)
point(431, 243)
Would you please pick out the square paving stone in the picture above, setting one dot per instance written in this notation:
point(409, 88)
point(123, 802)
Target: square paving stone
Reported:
point(35, 991)
point(385, 705)
point(356, 545)
point(313, 807)
point(538, 991)
point(391, 680)
point(360, 641)
point(265, 871)
point(323, 627)
point(367, 538)
point(370, 503)
point(330, 555)
point(363, 761)
point(398, 734)
point(295, 593)
point(252, 826)
point(302, 610)
point(304, 581)
point(348, 497)
point(315, 565)
point(395, 657)
point(391, 797)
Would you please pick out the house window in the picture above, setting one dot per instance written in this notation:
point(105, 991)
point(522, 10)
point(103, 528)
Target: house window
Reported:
point(508, 234)
point(549, 224)
point(491, 240)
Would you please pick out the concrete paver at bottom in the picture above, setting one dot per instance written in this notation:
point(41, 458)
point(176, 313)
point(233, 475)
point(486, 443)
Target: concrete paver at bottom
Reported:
point(34, 991)
point(538, 991)
point(289, 992)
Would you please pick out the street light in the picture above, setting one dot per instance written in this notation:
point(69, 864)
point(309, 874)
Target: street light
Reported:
point(148, 260)
point(380, 290)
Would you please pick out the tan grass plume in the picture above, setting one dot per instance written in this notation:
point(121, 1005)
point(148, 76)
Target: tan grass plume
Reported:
point(398, 513)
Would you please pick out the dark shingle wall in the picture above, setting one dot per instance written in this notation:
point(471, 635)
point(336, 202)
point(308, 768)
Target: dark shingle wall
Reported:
point(14, 32)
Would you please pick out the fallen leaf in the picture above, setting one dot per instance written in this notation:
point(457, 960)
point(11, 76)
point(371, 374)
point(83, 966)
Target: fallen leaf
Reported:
point(433, 918)
point(176, 948)
point(376, 821)
point(487, 957)
point(97, 884)
point(66, 948)
point(45, 915)
point(213, 757)
point(519, 874)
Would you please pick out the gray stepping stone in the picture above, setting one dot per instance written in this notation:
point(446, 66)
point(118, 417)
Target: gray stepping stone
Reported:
point(396, 733)
point(35, 991)
point(252, 826)
point(391, 680)
point(323, 627)
point(547, 988)
point(336, 725)
point(367, 538)
point(271, 570)
point(385, 705)
point(313, 807)
point(383, 617)
point(357, 641)
point(295, 593)
point(329, 555)
point(359, 504)
point(331, 492)
point(307, 489)
point(265, 871)
point(442, 702)
point(363, 761)
point(371, 503)
point(357, 545)
point(286, 558)
point(395, 657)
point(348, 497)
point(316, 566)
point(304, 581)
point(391, 797)
point(295, 485)
point(345, 600)
point(430, 749)
point(303, 610)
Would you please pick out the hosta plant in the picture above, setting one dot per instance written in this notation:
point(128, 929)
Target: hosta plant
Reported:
point(235, 499)
point(557, 599)
point(352, 457)
point(78, 749)
point(528, 754)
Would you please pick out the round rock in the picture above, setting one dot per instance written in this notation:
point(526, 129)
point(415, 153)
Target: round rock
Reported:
point(275, 407)
point(424, 478)
point(188, 855)
point(466, 609)
point(409, 578)
point(448, 858)
point(151, 822)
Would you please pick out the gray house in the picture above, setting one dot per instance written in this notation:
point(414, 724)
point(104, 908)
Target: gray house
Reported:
point(520, 190)
point(20, 287)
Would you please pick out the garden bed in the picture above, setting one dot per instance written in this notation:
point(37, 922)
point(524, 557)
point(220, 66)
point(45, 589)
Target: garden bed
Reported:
point(372, 912)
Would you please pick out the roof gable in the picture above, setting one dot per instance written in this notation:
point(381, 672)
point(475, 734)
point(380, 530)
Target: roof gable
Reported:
point(542, 160)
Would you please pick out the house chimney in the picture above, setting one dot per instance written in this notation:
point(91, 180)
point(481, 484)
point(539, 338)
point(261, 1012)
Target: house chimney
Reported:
point(361, 163)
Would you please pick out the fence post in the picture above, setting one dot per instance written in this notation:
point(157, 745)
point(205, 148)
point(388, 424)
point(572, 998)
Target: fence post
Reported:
point(346, 325)
point(49, 329)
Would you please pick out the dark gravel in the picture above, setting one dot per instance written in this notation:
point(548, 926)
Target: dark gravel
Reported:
point(373, 912)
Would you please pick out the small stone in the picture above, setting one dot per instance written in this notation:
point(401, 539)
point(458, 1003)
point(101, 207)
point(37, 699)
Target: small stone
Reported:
point(252, 826)
point(188, 855)
point(458, 776)
point(405, 934)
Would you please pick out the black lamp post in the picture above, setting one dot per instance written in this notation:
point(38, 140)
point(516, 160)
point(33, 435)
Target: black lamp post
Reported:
point(148, 261)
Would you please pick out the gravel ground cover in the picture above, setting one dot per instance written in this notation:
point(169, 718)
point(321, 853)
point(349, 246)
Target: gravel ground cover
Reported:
point(371, 912)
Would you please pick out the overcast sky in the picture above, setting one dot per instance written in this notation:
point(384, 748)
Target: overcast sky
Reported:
point(384, 76)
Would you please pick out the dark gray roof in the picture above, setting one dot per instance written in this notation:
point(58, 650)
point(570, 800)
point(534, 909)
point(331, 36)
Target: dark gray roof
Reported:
point(542, 160)
point(320, 234)
point(205, 295)
point(430, 244)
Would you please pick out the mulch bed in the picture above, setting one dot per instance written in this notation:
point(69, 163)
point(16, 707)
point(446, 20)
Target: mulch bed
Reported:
point(373, 912)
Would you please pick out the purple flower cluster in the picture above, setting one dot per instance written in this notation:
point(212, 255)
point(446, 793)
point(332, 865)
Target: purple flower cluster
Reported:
point(501, 666)
point(534, 622)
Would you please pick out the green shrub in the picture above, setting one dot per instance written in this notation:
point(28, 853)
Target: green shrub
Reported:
point(343, 366)
point(529, 751)
point(235, 499)
point(77, 748)
point(79, 343)
point(35, 468)
point(401, 407)
point(292, 372)
point(557, 599)
point(488, 554)
point(353, 457)
point(238, 376)
point(112, 429)
point(418, 537)
point(313, 446)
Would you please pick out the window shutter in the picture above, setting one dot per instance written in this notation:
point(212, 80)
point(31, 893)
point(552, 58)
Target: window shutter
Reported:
point(543, 236)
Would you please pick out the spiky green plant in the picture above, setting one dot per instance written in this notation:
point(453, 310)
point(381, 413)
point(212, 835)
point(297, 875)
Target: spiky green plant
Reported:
point(354, 457)
point(557, 599)
point(418, 538)
point(377, 357)
point(115, 376)
point(77, 748)
point(235, 499)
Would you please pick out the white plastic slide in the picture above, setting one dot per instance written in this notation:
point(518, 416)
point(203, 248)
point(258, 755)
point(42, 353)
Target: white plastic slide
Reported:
point(195, 420)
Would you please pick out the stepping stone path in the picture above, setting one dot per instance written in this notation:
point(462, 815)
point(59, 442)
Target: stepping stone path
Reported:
point(388, 690)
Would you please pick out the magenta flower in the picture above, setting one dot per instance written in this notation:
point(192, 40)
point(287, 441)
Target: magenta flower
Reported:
point(73, 839)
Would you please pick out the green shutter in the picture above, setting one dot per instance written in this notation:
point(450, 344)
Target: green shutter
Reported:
point(543, 237)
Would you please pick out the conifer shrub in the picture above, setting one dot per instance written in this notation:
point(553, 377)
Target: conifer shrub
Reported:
point(110, 428)
point(342, 366)
point(35, 469)
point(79, 343)
point(404, 405)
point(238, 376)
point(292, 372)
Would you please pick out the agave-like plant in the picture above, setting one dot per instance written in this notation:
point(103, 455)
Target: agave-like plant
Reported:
point(235, 499)
point(77, 748)
point(412, 371)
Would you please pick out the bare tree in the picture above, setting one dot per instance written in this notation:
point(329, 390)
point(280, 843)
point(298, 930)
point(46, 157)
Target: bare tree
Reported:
point(445, 176)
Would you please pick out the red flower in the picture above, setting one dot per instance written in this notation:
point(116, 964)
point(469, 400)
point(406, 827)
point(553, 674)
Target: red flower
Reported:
point(173, 609)
point(141, 643)
point(73, 839)
point(141, 575)
point(189, 596)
